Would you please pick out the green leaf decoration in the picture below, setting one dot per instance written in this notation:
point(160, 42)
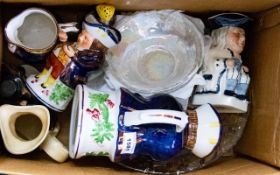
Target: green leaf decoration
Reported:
point(103, 131)
point(60, 93)
point(96, 99)
point(106, 154)
point(104, 111)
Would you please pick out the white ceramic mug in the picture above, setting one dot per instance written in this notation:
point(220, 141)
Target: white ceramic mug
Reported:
point(19, 139)
point(33, 33)
point(35, 30)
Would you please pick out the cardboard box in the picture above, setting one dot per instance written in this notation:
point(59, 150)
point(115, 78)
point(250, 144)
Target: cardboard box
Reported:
point(261, 138)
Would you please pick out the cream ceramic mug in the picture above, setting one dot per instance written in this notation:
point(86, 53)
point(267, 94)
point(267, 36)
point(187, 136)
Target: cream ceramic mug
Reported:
point(18, 124)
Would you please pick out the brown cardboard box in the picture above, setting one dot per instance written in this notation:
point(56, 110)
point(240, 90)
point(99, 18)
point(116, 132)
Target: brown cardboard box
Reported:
point(261, 138)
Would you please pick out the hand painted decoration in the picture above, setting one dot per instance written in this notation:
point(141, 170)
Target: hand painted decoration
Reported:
point(122, 125)
point(226, 78)
point(70, 63)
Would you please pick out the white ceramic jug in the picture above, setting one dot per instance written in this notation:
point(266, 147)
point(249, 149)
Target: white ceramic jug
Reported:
point(19, 138)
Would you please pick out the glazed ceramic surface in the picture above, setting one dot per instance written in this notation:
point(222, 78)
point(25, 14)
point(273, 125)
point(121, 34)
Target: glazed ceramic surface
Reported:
point(93, 123)
point(55, 97)
point(18, 138)
point(32, 33)
point(226, 78)
point(69, 64)
point(123, 126)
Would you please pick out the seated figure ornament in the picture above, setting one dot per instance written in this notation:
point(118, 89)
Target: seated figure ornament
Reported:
point(226, 78)
point(69, 64)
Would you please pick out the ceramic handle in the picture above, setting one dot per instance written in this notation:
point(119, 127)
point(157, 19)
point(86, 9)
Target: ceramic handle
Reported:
point(94, 74)
point(14, 143)
point(12, 47)
point(68, 27)
point(138, 117)
point(54, 148)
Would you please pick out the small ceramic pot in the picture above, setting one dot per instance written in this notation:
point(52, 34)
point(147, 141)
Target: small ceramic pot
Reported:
point(18, 135)
point(122, 125)
point(31, 34)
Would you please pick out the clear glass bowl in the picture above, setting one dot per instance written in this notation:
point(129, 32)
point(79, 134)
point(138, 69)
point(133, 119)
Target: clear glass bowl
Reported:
point(160, 51)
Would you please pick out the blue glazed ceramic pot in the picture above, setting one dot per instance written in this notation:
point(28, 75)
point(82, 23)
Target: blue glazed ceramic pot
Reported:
point(122, 125)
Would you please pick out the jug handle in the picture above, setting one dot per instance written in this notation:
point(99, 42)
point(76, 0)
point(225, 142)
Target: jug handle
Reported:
point(138, 117)
point(12, 47)
point(54, 148)
point(68, 27)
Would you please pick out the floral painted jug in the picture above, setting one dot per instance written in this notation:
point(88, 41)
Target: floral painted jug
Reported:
point(122, 125)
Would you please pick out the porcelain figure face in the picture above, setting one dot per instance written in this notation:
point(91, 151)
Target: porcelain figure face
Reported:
point(84, 40)
point(236, 39)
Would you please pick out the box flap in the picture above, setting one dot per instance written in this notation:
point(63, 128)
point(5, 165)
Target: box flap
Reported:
point(190, 5)
point(268, 19)
point(261, 138)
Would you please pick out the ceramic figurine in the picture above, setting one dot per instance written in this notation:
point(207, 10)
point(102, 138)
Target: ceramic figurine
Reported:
point(70, 63)
point(226, 78)
point(122, 125)
point(21, 138)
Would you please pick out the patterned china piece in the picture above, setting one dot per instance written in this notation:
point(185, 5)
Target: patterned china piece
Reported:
point(69, 64)
point(227, 79)
point(122, 125)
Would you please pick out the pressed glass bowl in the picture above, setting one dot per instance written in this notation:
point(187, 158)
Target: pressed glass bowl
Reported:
point(158, 55)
